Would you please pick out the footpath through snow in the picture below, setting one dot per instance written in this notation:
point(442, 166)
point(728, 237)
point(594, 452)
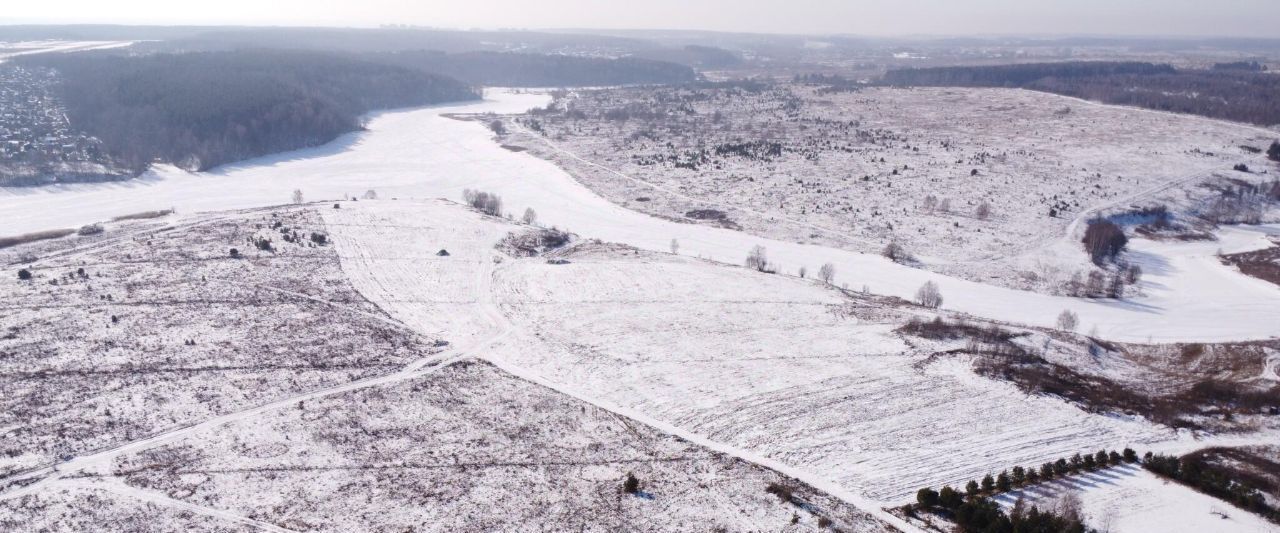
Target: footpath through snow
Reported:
point(422, 153)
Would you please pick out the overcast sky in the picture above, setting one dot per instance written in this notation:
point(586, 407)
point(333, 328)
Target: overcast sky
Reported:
point(1255, 18)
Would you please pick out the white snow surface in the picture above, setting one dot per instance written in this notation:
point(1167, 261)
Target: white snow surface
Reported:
point(421, 153)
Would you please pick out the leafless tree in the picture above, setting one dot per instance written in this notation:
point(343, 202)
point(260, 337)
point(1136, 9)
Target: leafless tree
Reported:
point(1067, 320)
point(758, 259)
point(827, 273)
point(929, 295)
point(675, 246)
point(530, 216)
point(297, 196)
point(804, 272)
point(371, 194)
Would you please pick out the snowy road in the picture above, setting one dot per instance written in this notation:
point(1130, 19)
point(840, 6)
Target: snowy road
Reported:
point(420, 153)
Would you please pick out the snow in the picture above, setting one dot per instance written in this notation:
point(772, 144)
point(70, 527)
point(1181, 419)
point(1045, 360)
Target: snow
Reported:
point(1129, 499)
point(420, 153)
point(777, 368)
point(14, 49)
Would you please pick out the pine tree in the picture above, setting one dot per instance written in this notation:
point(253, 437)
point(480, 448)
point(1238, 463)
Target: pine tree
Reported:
point(1003, 484)
point(971, 488)
point(988, 483)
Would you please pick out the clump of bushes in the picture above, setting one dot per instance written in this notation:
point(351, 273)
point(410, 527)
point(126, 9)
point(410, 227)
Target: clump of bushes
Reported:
point(90, 229)
point(487, 203)
point(24, 274)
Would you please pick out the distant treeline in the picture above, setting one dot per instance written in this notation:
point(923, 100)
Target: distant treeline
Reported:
point(1240, 95)
point(201, 110)
point(539, 70)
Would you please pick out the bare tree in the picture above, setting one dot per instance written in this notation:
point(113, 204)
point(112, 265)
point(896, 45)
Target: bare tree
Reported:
point(929, 295)
point(675, 246)
point(297, 196)
point(1067, 320)
point(758, 259)
point(371, 194)
point(827, 273)
point(930, 203)
point(804, 272)
point(945, 205)
point(530, 216)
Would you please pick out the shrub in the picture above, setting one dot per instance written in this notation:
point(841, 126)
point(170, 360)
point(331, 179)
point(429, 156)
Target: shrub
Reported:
point(783, 492)
point(235, 253)
point(91, 229)
point(929, 296)
point(1273, 153)
point(896, 253)
point(24, 274)
point(319, 238)
point(983, 211)
point(631, 485)
point(1240, 167)
point(530, 216)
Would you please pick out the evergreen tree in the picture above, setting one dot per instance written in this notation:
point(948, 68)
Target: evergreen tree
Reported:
point(971, 488)
point(950, 498)
point(1019, 475)
point(1003, 483)
point(988, 483)
point(1046, 471)
point(927, 497)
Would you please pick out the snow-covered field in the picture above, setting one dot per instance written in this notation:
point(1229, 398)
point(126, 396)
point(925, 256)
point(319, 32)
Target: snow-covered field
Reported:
point(1128, 498)
point(861, 169)
point(772, 369)
point(779, 366)
point(20, 48)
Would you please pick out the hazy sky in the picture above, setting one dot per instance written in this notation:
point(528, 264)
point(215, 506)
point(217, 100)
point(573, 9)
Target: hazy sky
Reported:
point(1256, 18)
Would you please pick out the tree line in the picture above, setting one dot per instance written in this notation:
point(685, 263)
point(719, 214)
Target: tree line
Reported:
point(1237, 94)
point(201, 110)
point(539, 70)
point(973, 510)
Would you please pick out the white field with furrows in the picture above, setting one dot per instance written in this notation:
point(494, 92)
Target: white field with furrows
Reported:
point(1128, 498)
point(423, 154)
point(774, 365)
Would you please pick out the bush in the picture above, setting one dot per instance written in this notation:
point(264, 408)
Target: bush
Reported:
point(896, 253)
point(319, 238)
point(1273, 153)
point(235, 253)
point(1240, 167)
point(1104, 241)
point(24, 274)
point(631, 485)
point(929, 296)
point(91, 229)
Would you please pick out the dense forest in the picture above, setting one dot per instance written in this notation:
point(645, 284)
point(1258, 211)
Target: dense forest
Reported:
point(539, 70)
point(1238, 94)
point(202, 110)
